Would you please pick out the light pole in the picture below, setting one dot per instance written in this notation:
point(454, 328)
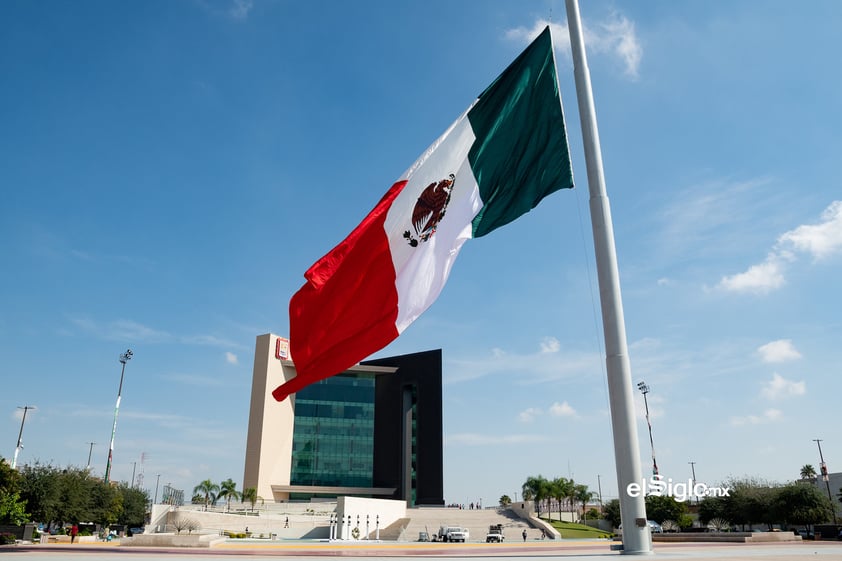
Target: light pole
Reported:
point(124, 358)
point(825, 477)
point(599, 488)
point(134, 468)
point(156, 489)
point(693, 470)
point(90, 451)
point(644, 389)
point(20, 434)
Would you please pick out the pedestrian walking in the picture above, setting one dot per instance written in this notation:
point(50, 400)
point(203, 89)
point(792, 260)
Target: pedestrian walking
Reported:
point(524, 534)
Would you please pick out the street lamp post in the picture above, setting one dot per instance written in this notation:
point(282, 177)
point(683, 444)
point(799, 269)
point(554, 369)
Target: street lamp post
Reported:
point(158, 480)
point(90, 451)
point(124, 358)
point(644, 389)
point(825, 476)
point(599, 487)
point(693, 470)
point(20, 434)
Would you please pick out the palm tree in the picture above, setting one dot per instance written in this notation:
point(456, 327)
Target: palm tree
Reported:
point(250, 494)
point(561, 488)
point(583, 495)
point(228, 489)
point(208, 489)
point(536, 489)
point(808, 472)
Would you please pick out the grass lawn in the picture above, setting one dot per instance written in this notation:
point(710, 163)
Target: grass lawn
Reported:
point(571, 530)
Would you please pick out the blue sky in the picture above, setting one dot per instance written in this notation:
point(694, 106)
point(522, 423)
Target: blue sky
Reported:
point(169, 169)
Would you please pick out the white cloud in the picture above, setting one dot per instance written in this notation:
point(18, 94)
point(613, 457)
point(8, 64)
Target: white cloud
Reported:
point(778, 351)
point(231, 358)
point(550, 345)
point(528, 415)
point(233, 9)
point(240, 9)
point(614, 36)
point(562, 410)
point(768, 416)
point(820, 240)
point(132, 332)
point(473, 439)
point(618, 37)
point(759, 279)
point(548, 363)
point(779, 387)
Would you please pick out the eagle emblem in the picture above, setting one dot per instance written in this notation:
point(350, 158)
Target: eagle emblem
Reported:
point(429, 210)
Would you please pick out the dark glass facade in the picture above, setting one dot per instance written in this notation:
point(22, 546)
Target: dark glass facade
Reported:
point(333, 438)
point(368, 430)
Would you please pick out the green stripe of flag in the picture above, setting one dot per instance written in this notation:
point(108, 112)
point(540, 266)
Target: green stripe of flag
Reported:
point(521, 153)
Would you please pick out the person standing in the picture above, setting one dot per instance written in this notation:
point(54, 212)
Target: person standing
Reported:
point(524, 534)
point(73, 531)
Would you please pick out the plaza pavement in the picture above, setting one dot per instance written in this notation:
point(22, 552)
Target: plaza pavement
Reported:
point(566, 550)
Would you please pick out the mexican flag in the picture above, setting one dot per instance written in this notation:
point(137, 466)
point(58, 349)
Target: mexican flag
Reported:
point(496, 162)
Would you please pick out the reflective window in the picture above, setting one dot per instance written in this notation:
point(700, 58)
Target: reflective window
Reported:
point(333, 435)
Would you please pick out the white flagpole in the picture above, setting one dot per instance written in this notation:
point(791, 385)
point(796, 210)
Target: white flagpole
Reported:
point(636, 536)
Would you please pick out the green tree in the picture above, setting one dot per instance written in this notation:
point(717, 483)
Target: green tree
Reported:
point(712, 508)
point(561, 490)
point(59, 495)
point(207, 489)
point(76, 491)
point(750, 502)
point(250, 494)
point(134, 502)
point(582, 495)
point(106, 504)
point(808, 472)
point(228, 491)
point(505, 500)
point(40, 488)
point(802, 505)
point(12, 507)
point(536, 489)
point(664, 507)
point(592, 514)
point(611, 512)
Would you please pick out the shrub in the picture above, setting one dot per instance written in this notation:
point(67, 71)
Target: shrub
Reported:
point(719, 525)
point(7, 538)
point(670, 526)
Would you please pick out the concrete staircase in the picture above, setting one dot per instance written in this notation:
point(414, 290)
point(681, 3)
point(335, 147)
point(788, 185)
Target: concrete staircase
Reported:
point(429, 519)
point(392, 532)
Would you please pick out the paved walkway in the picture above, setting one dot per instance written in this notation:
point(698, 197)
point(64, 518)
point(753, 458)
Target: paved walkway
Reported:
point(568, 550)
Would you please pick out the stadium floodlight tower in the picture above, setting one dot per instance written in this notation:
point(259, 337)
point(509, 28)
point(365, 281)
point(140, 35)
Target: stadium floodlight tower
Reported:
point(124, 358)
point(644, 389)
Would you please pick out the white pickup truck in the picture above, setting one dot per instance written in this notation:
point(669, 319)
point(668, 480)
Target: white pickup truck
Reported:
point(453, 534)
point(495, 534)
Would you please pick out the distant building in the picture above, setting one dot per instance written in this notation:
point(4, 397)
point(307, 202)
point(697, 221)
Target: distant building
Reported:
point(374, 430)
point(835, 481)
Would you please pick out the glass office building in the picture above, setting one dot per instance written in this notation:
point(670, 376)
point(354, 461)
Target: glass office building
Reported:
point(375, 430)
point(333, 435)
